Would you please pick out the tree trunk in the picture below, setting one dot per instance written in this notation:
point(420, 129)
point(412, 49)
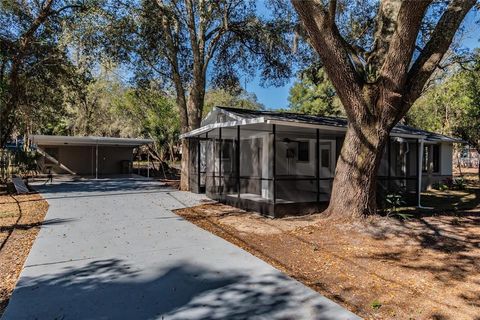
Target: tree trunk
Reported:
point(355, 184)
point(184, 170)
point(194, 111)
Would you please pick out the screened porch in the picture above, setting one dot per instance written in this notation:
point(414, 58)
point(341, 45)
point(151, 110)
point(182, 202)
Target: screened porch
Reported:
point(280, 169)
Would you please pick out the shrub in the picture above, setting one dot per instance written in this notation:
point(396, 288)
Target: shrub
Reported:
point(393, 201)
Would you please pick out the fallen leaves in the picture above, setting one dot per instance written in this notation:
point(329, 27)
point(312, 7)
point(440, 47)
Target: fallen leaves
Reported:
point(18, 230)
point(418, 269)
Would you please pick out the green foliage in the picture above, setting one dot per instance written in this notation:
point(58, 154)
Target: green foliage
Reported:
point(155, 115)
point(376, 304)
point(182, 46)
point(440, 108)
point(441, 186)
point(313, 93)
point(393, 201)
point(239, 99)
point(450, 184)
point(26, 161)
point(33, 62)
point(453, 106)
point(89, 107)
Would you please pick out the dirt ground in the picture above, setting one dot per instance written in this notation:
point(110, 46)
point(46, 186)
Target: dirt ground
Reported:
point(426, 267)
point(20, 220)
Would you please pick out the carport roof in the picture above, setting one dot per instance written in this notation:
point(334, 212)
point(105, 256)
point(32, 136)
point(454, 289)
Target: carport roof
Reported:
point(87, 141)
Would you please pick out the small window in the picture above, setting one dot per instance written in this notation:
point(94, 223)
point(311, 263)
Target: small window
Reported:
point(325, 157)
point(426, 152)
point(431, 157)
point(303, 151)
point(436, 158)
point(226, 150)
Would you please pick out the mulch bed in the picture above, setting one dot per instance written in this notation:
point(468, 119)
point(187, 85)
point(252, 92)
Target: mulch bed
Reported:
point(427, 267)
point(20, 220)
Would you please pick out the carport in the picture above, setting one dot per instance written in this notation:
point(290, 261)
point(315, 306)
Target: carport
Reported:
point(91, 156)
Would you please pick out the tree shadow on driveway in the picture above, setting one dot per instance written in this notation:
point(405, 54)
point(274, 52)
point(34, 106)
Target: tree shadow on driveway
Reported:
point(112, 289)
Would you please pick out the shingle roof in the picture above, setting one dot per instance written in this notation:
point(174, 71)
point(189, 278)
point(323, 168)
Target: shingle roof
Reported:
point(331, 121)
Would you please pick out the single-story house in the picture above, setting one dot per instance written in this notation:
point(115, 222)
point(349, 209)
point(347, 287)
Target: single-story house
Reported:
point(89, 156)
point(277, 163)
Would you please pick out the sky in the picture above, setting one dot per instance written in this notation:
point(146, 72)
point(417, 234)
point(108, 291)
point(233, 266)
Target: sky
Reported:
point(277, 97)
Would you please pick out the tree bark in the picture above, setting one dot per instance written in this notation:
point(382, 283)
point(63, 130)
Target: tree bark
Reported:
point(194, 111)
point(374, 103)
point(354, 187)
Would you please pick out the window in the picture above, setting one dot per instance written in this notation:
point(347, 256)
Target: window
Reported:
point(431, 158)
point(303, 151)
point(425, 158)
point(436, 158)
point(226, 149)
point(325, 158)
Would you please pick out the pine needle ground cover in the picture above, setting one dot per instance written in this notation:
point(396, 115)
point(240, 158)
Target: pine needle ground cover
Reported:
point(20, 220)
point(425, 267)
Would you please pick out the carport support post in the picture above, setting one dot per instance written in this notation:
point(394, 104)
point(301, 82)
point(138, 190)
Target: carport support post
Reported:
point(96, 160)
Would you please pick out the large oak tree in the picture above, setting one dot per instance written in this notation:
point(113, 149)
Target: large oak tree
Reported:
point(184, 46)
point(378, 84)
point(30, 55)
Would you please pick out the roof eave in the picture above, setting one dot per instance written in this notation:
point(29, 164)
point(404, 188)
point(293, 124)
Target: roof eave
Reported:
point(213, 126)
point(87, 141)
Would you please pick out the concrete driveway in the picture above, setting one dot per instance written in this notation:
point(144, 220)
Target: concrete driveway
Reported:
point(113, 249)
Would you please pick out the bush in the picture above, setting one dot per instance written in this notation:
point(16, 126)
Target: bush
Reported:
point(450, 184)
point(393, 201)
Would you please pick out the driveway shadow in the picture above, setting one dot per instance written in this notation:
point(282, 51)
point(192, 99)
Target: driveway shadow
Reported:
point(112, 289)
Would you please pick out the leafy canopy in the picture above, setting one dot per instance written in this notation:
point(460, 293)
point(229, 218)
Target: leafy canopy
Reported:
point(453, 106)
point(313, 93)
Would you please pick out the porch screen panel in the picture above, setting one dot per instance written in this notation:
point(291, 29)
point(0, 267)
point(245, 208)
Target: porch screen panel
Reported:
point(255, 164)
point(193, 164)
point(212, 182)
point(228, 158)
point(296, 159)
point(203, 159)
point(398, 170)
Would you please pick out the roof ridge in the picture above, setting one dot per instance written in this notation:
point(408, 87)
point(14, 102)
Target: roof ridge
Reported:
point(281, 112)
point(340, 121)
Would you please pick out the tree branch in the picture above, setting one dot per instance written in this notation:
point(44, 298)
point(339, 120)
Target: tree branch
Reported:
point(397, 59)
point(330, 45)
point(332, 11)
point(72, 6)
point(212, 46)
point(385, 27)
point(433, 52)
